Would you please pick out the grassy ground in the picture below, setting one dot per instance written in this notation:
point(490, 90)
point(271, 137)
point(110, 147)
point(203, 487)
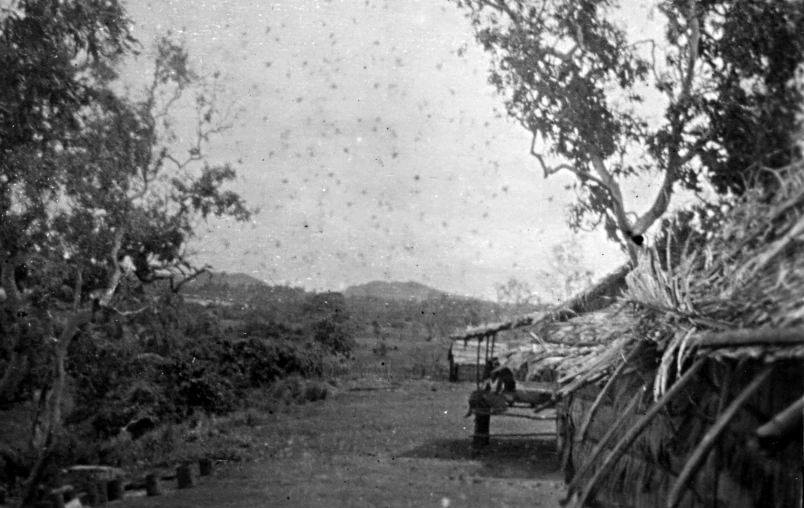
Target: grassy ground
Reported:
point(397, 356)
point(378, 445)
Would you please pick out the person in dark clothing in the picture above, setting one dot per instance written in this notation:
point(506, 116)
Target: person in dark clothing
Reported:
point(504, 379)
point(489, 367)
point(505, 384)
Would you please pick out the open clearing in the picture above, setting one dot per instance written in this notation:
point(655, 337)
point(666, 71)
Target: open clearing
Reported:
point(393, 446)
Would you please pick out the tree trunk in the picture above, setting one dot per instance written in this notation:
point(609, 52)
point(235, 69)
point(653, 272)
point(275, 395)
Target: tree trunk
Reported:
point(15, 305)
point(15, 372)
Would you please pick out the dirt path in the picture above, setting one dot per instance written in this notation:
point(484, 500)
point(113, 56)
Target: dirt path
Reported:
point(407, 446)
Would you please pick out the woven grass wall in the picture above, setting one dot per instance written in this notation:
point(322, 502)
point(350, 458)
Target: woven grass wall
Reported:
point(737, 473)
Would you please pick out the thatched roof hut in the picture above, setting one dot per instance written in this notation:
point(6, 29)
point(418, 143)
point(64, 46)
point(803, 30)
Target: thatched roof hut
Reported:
point(689, 390)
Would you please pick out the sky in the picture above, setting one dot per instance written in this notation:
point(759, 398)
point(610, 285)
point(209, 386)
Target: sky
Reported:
point(372, 145)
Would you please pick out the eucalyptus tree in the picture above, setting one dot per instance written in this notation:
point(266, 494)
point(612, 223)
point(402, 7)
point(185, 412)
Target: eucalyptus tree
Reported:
point(96, 192)
point(721, 74)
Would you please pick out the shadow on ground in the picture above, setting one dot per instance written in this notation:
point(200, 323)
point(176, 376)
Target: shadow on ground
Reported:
point(508, 458)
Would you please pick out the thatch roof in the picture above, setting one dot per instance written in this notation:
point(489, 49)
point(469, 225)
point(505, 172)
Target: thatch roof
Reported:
point(739, 295)
point(566, 338)
point(598, 296)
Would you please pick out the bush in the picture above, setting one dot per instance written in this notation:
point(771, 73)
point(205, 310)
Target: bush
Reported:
point(334, 335)
point(297, 390)
point(267, 361)
point(200, 387)
point(112, 384)
point(257, 327)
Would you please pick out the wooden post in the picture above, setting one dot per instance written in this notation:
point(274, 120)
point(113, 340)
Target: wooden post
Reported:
point(56, 499)
point(152, 485)
point(205, 467)
point(102, 497)
point(482, 425)
point(184, 477)
point(477, 365)
point(114, 489)
point(91, 494)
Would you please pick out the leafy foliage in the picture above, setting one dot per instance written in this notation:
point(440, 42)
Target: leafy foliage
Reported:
point(516, 292)
point(725, 76)
point(205, 370)
point(752, 55)
point(95, 203)
point(331, 325)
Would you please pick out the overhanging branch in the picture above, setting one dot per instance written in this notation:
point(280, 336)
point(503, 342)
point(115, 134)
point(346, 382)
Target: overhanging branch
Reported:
point(549, 170)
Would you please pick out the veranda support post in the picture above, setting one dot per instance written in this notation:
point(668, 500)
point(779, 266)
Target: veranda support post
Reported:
point(482, 425)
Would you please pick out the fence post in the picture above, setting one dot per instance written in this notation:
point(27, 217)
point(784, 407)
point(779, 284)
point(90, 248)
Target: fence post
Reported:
point(56, 498)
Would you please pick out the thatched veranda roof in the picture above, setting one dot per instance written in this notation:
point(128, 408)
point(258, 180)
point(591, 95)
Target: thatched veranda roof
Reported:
point(740, 295)
point(737, 296)
point(598, 296)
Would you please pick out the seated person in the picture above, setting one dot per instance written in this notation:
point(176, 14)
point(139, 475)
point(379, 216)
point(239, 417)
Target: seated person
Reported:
point(503, 377)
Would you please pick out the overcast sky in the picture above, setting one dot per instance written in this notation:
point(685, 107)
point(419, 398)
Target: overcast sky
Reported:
point(369, 141)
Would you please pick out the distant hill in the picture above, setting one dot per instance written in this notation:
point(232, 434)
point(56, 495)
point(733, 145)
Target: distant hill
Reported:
point(234, 280)
point(223, 288)
point(393, 291)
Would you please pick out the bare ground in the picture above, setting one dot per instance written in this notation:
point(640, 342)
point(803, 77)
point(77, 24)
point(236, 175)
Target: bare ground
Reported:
point(407, 445)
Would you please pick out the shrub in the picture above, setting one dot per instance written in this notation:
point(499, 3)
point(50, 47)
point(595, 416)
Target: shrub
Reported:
point(266, 361)
point(255, 326)
point(195, 385)
point(334, 335)
point(297, 390)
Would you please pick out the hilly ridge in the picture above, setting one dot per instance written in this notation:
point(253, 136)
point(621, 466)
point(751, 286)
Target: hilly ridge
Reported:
point(231, 279)
point(228, 286)
point(394, 291)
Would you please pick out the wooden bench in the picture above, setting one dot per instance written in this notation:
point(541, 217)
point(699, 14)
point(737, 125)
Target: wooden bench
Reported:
point(485, 404)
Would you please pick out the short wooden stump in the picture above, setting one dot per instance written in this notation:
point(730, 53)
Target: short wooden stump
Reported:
point(184, 477)
point(102, 493)
point(205, 467)
point(114, 490)
point(153, 487)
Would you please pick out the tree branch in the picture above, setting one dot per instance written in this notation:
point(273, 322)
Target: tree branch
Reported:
point(502, 7)
point(692, 53)
point(549, 170)
point(8, 283)
point(117, 273)
point(177, 287)
point(659, 205)
point(614, 190)
point(17, 364)
point(675, 160)
point(127, 313)
point(77, 294)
